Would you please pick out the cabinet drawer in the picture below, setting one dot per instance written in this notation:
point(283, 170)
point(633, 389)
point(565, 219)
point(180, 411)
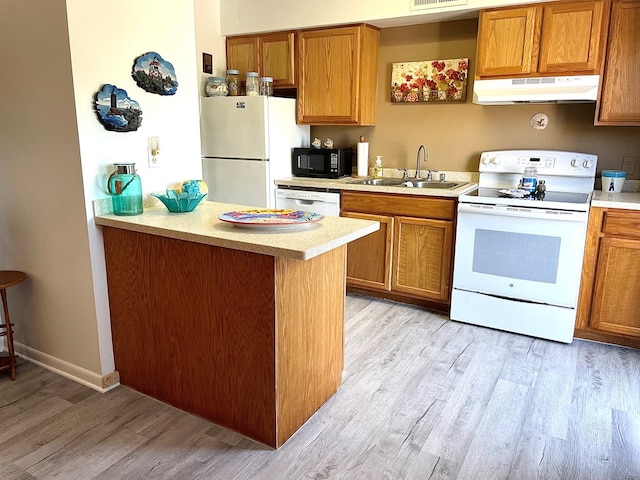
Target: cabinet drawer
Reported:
point(404, 205)
point(621, 222)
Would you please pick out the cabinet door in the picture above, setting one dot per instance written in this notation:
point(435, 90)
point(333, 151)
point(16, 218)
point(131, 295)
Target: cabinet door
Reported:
point(277, 58)
point(572, 35)
point(508, 42)
point(242, 55)
point(619, 102)
point(329, 74)
point(616, 304)
point(369, 258)
point(422, 257)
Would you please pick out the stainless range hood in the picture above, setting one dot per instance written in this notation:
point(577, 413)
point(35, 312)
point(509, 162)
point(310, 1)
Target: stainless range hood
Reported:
point(582, 88)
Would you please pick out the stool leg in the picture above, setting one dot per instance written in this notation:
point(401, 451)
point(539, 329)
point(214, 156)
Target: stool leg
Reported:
point(12, 354)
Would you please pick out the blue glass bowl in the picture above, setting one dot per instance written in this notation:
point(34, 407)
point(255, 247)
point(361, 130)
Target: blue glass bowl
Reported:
point(180, 202)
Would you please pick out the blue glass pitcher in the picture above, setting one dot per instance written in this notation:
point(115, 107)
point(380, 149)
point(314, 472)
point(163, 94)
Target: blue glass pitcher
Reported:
point(125, 188)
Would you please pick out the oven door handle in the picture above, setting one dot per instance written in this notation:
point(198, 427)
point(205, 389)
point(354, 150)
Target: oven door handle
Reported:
point(523, 212)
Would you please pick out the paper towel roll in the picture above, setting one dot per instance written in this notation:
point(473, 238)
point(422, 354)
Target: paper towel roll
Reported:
point(363, 159)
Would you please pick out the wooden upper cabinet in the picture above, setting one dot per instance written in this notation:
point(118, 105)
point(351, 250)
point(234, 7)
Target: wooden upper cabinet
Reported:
point(571, 37)
point(242, 55)
point(508, 41)
point(271, 55)
point(277, 58)
point(619, 101)
point(338, 72)
point(560, 37)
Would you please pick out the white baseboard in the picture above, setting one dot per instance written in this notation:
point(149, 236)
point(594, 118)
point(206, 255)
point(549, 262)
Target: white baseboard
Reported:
point(100, 383)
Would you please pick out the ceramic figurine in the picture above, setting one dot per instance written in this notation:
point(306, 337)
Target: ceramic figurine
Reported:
point(317, 143)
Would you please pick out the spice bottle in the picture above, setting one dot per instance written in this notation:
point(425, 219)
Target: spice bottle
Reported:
point(251, 86)
point(233, 85)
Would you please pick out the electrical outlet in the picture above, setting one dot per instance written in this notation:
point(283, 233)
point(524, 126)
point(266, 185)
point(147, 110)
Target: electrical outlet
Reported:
point(110, 379)
point(629, 164)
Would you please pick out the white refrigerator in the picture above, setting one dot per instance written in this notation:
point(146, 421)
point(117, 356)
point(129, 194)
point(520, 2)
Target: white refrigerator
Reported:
point(246, 145)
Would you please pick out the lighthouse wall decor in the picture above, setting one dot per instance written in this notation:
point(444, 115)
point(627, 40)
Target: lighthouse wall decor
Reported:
point(154, 74)
point(116, 111)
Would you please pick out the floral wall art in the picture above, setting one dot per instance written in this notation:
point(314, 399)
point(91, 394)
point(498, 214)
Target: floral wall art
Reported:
point(429, 81)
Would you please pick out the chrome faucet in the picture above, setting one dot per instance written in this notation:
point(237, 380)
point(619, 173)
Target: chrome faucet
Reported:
point(426, 159)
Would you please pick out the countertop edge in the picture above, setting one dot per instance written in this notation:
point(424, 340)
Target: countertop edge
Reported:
point(623, 200)
point(202, 226)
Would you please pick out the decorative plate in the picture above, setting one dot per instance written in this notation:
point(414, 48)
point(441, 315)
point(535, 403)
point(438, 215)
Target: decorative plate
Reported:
point(116, 111)
point(154, 74)
point(265, 217)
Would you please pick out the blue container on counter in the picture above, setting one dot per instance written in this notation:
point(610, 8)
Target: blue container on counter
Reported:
point(125, 188)
point(613, 180)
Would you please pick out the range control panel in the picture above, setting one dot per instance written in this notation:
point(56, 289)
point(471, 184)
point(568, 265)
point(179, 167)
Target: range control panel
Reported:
point(547, 162)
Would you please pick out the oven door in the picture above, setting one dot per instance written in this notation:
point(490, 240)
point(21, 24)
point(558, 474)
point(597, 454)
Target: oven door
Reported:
point(528, 254)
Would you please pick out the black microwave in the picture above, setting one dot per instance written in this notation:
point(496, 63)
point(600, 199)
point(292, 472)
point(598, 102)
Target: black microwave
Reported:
point(321, 162)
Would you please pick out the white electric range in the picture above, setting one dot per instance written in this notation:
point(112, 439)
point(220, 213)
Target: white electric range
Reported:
point(518, 255)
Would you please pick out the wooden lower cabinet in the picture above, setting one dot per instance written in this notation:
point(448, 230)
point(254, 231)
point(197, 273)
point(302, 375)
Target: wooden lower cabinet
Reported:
point(422, 257)
point(609, 307)
point(411, 255)
point(377, 249)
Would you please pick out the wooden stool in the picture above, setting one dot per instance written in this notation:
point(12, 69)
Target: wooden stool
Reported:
point(8, 278)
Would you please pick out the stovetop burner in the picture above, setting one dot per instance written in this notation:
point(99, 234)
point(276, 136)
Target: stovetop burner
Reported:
point(550, 199)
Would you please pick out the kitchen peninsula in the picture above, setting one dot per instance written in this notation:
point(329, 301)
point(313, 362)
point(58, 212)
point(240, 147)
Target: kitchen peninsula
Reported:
point(241, 326)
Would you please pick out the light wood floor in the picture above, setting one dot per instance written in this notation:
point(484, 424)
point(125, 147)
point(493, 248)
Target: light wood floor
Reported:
point(422, 398)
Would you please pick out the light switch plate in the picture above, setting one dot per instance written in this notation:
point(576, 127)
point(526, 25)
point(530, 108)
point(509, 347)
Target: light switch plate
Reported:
point(629, 164)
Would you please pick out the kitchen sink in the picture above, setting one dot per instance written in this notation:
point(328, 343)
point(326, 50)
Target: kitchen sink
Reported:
point(384, 182)
point(432, 184)
point(409, 183)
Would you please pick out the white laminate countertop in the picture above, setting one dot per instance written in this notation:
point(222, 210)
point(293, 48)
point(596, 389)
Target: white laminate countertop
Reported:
point(624, 200)
point(468, 179)
point(203, 226)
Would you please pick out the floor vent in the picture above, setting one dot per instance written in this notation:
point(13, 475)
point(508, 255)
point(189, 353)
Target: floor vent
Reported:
point(425, 4)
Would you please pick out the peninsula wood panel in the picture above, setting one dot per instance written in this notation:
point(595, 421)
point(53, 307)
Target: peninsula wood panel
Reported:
point(199, 326)
point(310, 336)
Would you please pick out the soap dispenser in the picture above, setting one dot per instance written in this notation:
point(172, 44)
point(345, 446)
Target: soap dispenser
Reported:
point(377, 169)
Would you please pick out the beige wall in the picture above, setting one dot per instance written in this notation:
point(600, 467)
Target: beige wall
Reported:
point(56, 157)
point(456, 133)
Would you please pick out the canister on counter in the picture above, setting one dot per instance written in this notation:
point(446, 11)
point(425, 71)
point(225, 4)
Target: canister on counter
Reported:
point(530, 179)
point(252, 86)
point(233, 84)
point(266, 86)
